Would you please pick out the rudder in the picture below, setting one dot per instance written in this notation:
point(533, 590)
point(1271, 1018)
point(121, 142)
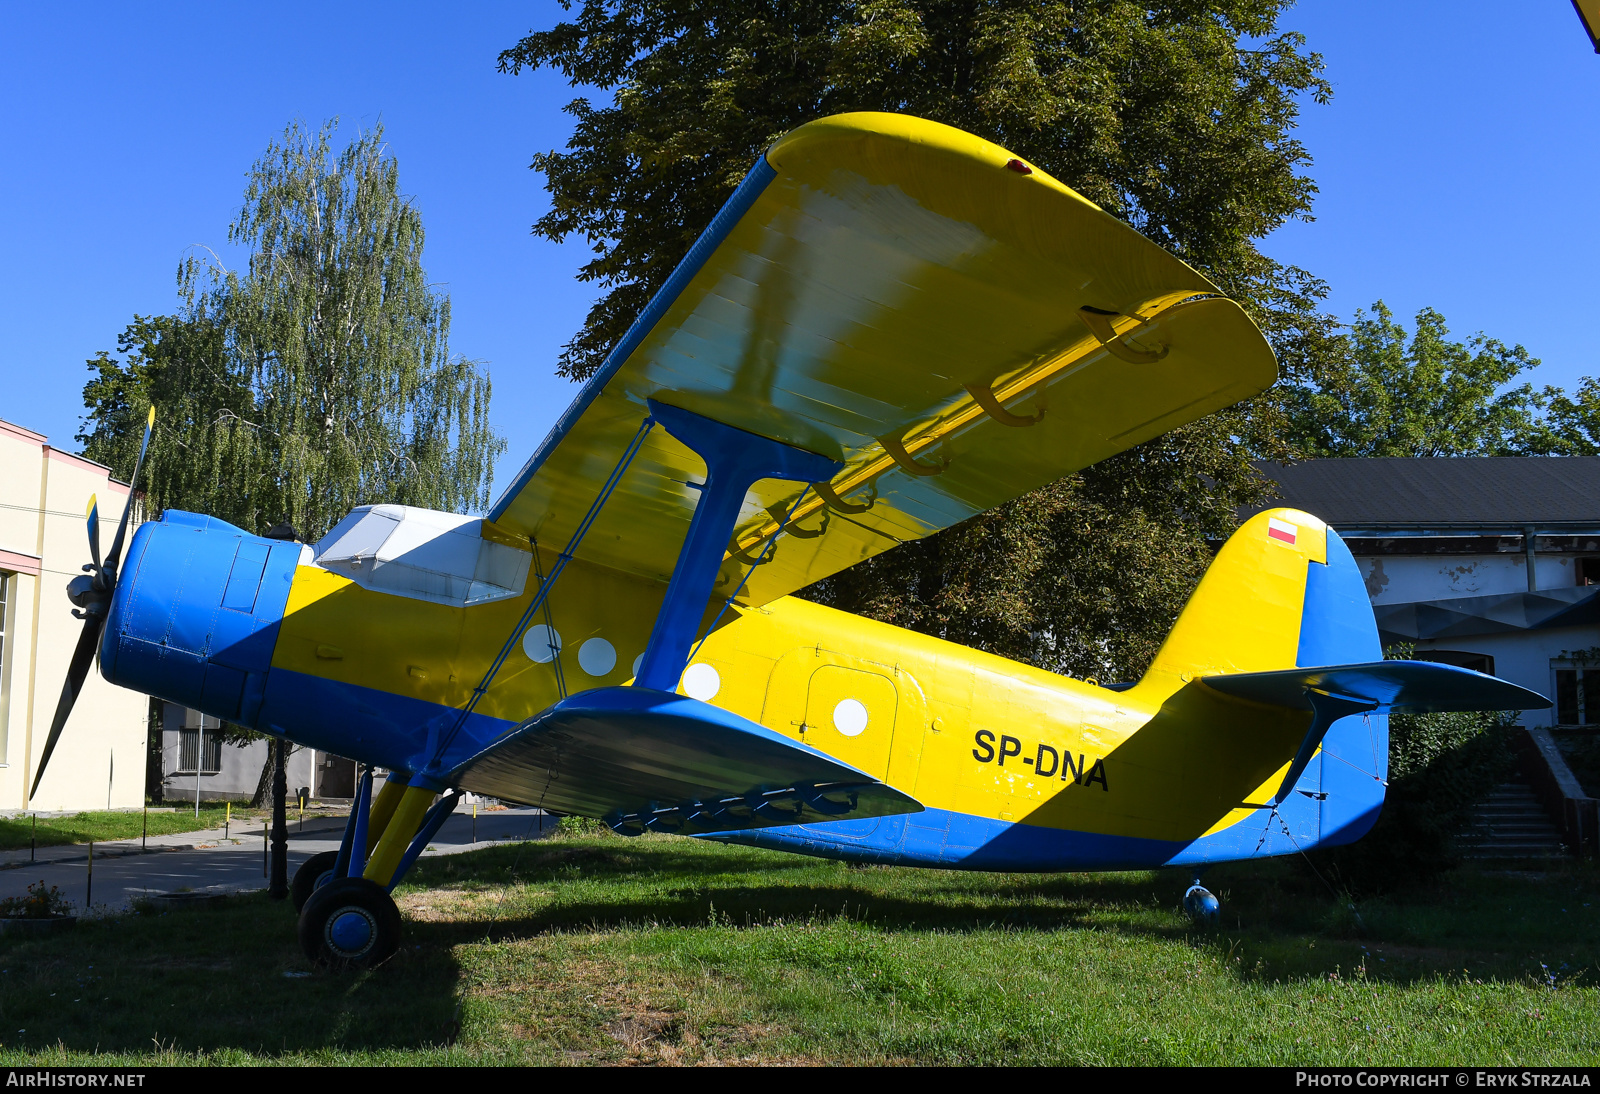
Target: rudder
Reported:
point(1285, 592)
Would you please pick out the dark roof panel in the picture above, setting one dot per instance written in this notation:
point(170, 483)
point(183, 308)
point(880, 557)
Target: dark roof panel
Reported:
point(1448, 490)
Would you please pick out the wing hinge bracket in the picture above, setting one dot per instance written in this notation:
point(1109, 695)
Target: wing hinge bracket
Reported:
point(895, 447)
point(985, 397)
point(1099, 323)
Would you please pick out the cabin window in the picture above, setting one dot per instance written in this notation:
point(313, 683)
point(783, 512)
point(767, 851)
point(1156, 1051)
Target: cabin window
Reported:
point(1574, 707)
point(425, 555)
point(1587, 571)
point(1477, 662)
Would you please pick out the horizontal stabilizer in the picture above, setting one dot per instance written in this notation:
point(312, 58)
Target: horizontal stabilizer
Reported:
point(1397, 687)
point(643, 759)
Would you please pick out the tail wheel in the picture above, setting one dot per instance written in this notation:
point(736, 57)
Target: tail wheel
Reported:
point(1201, 905)
point(314, 873)
point(349, 923)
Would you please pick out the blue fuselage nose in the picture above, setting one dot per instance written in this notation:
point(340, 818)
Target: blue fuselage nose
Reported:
point(195, 615)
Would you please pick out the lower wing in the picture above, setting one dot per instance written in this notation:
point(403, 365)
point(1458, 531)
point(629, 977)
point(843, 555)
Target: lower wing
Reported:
point(651, 760)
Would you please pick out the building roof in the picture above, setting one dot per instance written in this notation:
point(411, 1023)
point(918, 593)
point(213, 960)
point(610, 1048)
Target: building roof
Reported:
point(1442, 492)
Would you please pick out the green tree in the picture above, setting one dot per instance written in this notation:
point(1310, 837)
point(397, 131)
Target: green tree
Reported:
point(1426, 397)
point(318, 379)
point(1574, 420)
point(1177, 117)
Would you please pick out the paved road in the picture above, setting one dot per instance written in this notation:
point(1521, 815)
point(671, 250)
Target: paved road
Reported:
point(205, 861)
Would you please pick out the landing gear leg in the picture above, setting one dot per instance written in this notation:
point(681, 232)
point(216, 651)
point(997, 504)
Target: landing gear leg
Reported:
point(349, 920)
point(1200, 905)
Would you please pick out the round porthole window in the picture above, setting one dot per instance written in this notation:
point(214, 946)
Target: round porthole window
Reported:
point(700, 681)
point(597, 657)
point(850, 717)
point(541, 643)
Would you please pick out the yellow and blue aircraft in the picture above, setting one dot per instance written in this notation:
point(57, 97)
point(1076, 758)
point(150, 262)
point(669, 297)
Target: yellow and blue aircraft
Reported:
point(891, 326)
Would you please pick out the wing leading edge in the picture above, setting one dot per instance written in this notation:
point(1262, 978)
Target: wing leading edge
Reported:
point(953, 326)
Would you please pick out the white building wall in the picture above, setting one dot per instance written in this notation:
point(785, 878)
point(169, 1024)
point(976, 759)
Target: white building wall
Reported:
point(1523, 657)
point(100, 760)
point(1405, 579)
point(239, 771)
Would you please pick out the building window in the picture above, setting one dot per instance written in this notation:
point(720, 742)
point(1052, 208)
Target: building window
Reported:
point(1587, 571)
point(1574, 707)
point(189, 746)
point(1477, 662)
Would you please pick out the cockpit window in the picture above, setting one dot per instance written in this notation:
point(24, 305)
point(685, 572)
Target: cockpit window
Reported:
point(423, 554)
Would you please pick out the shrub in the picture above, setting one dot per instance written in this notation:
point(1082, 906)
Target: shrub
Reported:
point(582, 826)
point(1440, 766)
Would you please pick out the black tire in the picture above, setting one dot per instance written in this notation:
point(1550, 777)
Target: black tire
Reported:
point(313, 873)
point(349, 923)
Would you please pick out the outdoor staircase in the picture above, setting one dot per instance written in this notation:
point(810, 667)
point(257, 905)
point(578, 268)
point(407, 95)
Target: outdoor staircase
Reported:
point(1512, 824)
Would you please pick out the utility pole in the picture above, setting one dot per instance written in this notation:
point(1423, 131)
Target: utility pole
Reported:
point(199, 763)
point(278, 887)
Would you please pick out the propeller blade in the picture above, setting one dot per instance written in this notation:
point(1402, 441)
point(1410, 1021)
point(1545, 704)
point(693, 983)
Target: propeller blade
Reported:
point(133, 484)
point(93, 517)
point(82, 661)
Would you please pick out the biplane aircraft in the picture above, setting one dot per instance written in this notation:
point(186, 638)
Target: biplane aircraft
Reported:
point(891, 326)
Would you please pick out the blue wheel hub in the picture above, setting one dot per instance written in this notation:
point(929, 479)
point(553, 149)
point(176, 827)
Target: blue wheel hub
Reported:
point(351, 931)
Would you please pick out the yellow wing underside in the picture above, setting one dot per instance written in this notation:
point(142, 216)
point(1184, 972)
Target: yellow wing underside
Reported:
point(897, 298)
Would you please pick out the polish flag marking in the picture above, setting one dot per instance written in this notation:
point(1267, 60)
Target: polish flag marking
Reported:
point(1281, 530)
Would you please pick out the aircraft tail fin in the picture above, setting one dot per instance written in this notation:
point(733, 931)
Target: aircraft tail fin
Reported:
point(1284, 592)
point(1282, 620)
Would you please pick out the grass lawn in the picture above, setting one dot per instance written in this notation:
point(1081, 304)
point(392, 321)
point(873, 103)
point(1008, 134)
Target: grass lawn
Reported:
point(106, 825)
point(596, 949)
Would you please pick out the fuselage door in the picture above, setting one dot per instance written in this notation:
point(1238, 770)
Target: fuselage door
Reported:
point(850, 715)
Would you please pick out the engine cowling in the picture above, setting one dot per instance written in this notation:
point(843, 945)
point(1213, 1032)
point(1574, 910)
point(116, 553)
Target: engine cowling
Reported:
point(195, 616)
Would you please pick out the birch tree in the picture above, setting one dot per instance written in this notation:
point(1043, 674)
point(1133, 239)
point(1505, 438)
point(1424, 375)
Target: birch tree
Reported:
point(316, 379)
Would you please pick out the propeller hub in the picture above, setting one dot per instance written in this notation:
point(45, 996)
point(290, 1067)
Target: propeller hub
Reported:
point(86, 592)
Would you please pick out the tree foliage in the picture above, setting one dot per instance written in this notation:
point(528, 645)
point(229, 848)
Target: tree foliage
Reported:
point(1156, 112)
point(1176, 117)
point(317, 380)
point(1426, 397)
point(1575, 419)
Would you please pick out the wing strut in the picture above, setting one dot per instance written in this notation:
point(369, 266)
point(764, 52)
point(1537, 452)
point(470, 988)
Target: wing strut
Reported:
point(539, 598)
point(735, 461)
point(1326, 709)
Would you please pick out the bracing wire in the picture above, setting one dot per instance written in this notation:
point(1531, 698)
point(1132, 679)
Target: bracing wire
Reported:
point(550, 628)
point(737, 589)
point(545, 586)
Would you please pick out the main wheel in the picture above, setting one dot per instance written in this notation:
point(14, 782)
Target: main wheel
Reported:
point(314, 873)
point(349, 923)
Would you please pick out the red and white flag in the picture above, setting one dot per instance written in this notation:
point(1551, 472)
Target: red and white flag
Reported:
point(1281, 530)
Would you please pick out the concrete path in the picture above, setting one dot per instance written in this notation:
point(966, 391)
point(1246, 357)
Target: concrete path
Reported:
point(206, 861)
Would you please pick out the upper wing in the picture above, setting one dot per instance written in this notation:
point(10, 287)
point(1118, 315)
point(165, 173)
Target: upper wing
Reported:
point(905, 298)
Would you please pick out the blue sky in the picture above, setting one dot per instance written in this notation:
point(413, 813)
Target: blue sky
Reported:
point(1456, 166)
